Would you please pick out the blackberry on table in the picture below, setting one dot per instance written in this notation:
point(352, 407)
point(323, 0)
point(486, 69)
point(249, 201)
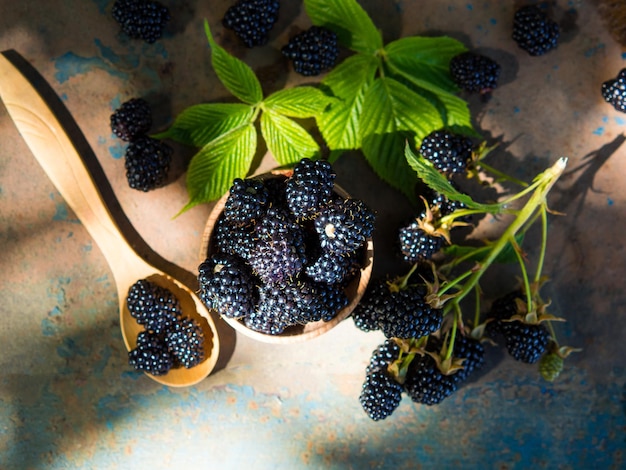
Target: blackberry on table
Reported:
point(614, 91)
point(309, 188)
point(246, 202)
point(141, 19)
point(473, 354)
point(380, 395)
point(252, 20)
point(524, 342)
point(147, 163)
point(312, 51)
point(534, 31)
point(474, 72)
point(132, 119)
point(185, 342)
point(344, 226)
point(151, 354)
point(152, 306)
point(447, 151)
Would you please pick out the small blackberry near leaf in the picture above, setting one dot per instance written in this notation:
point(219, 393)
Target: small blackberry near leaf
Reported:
point(252, 20)
point(247, 201)
point(312, 51)
point(147, 163)
point(449, 152)
point(534, 31)
point(614, 91)
point(474, 72)
point(141, 19)
point(416, 245)
point(132, 119)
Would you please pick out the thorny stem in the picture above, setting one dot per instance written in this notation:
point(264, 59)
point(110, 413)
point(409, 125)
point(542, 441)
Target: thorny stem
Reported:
point(522, 265)
point(452, 338)
point(477, 306)
point(501, 175)
point(544, 242)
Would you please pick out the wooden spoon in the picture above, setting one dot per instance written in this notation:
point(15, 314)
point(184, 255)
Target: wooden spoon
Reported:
point(61, 149)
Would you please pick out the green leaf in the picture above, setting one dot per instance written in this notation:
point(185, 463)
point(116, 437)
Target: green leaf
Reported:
point(200, 124)
point(287, 140)
point(352, 24)
point(439, 183)
point(212, 170)
point(234, 74)
point(348, 81)
point(425, 57)
point(299, 102)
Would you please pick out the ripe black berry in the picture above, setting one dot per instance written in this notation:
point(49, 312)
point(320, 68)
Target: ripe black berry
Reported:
point(614, 91)
point(312, 51)
point(141, 19)
point(534, 31)
point(448, 152)
point(246, 202)
point(185, 342)
point(344, 225)
point(147, 163)
point(425, 383)
point(380, 395)
point(416, 245)
point(474, 72)
point(151, 354)
point(132, 119)
point(309, 188)
point(152, 306)
point(252, 20)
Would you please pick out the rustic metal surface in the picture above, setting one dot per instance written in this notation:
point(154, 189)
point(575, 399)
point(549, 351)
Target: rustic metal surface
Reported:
point(68, 398)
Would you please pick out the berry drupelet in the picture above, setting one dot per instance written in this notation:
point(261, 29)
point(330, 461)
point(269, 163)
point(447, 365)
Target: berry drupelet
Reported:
point(132, 119)
point(312, 51)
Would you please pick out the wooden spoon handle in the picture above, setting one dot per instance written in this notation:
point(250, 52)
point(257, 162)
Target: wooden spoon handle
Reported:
point(47, 137)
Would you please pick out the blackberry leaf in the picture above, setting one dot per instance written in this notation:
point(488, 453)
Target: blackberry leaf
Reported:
point(299, 102)
point(234, 74)
point(352, 24)
point(287, 140)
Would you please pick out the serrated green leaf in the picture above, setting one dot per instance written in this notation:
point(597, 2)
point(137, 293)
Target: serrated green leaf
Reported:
point(200, 124)
point(287, 140)
point(425, 57)
point(351, 23)
point(234, 74)
point(299, 102)
point(348, 82)
point(477, 254)
point(212, 170)
point(439, 183)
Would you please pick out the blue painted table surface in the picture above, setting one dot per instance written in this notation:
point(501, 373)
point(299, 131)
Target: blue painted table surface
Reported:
point(68, 398)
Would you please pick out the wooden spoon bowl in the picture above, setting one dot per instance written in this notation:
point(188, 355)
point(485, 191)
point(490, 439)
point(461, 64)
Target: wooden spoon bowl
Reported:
point(63, 152)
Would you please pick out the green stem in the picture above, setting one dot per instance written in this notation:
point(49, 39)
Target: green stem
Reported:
point(544, 242)
point(501, 175)
point(522, 265)
point(448, 285)
point(452, 337)
point(477, 306)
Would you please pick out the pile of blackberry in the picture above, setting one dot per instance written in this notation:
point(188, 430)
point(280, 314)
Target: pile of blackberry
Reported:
point(474, 72)
point(534, 31)
point(614, 91)
point(147, 160)
point(169, 339)
point(141, 19)
point(252, 20)
point(284, 249)
point(418, 374)
point(312, 51)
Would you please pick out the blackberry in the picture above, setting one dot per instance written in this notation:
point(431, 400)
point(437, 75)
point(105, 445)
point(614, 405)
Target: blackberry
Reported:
point(309, 188)
point(252, 20)
point(474, 72)
point(534, 31)
point(524, 342)
point(185, 342)
point(448, 152)
point(383, 355)
point(425, 383)
point(277, 191)
point(366, 314)
point(151, 354)
point(276, 305)
point(312, 51)
point(226, 285)
point(329, 268)
point(380, 395)
point(344, 225)
point(614, 91)
point(132, 119)
point(152, 306)
point(141, 19)
point(417, 246)
point(246, 202)
point(405, 314)
point(233, 239)
point(147, 163)
point(473, 354)
point(279, 251)
point(331, 299)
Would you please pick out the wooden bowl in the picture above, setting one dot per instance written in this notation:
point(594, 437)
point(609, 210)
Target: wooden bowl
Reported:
point(296, 333)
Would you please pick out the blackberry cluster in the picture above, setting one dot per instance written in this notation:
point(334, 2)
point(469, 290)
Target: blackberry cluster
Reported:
point(312, 51)
point(448, 152)
point(252, 20)
point(273, 271)
point(147, 163)
point(400, 312)
point(534, 31)
point(474, 72)
point(169, 339)
point(614, 91)
point(132, 119)
point(525, 342)
point(381, 393)
point(141, 19)
point(147, 160)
